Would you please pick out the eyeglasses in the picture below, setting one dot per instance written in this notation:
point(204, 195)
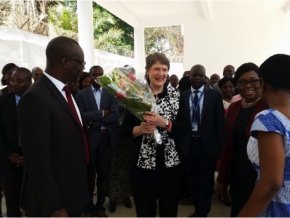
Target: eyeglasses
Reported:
point(83, 63)
point(252, 82)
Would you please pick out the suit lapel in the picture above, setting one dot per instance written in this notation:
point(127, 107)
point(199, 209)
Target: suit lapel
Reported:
point(12, 104)
point(205, 104)
point(92, 98)
point(11, 109)
point(103, 98)
point(187, 99)
point(59, 97)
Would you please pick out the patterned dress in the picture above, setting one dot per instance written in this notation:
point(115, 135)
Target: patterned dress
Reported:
point(273, 121)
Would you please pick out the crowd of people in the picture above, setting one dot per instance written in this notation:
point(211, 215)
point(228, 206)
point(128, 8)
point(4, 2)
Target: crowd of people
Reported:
point(64, 139)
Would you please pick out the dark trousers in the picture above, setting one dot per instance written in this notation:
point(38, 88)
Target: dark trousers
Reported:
point(152, 187)
point(1, 194)
point(184, 187)
point(12, 190)
point(100, 165)
point(240, 194)
point(201, 177)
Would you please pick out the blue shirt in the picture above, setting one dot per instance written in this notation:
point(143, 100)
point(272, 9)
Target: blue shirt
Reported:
point(97, 95)
point(17, 98)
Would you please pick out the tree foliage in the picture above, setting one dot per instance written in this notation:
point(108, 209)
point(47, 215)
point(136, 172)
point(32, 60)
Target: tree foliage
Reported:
point(110, 33)
point(29, 15)
point(63, 15)
point(5, 9)
point(168, 40)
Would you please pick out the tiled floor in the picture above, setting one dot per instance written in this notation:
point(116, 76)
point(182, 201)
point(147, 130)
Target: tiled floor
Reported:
point(217, 210)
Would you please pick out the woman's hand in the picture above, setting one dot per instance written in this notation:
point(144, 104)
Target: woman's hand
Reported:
point(147, 128)
point(154, 119)
point(144, 128)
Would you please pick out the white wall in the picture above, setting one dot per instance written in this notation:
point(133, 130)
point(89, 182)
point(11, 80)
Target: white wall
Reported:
point(232, 37)
point(28, 50)
point(22, 48)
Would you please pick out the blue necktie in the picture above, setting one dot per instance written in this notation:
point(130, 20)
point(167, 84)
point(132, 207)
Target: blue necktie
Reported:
point(195, 108)
point(195, 99)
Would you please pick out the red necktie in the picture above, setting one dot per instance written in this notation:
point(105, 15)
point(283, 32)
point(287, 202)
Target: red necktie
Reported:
point(77, 119)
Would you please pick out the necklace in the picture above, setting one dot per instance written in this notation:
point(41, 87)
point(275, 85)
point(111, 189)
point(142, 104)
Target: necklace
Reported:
point(250, 104)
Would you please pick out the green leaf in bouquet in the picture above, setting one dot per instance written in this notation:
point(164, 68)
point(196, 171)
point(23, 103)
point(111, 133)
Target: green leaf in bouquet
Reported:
point(116, 75)
point(133, 95)
point(104, 80)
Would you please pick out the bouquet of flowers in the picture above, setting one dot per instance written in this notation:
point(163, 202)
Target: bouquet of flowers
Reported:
point(133, 95)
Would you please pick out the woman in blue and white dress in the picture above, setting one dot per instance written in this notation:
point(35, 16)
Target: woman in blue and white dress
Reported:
point(269, 146)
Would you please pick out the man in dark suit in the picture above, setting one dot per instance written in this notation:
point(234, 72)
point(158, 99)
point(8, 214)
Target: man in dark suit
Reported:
point(2, 157)
point(6, 75)
point(20, 81)
point(204, 108)
point(52, 137)
point(100, 112)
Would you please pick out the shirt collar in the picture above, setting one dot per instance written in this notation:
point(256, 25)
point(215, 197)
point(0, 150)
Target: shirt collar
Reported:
point(200, 89)
point(17, 98)
point(59, 85)
point(95, 90)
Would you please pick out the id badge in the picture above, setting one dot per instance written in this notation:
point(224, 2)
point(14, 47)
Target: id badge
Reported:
point(194, 127)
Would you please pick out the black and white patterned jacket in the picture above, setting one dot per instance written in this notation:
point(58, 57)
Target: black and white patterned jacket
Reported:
point(168, 105)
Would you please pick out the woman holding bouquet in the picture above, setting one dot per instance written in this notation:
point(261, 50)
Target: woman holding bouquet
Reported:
point(156, 167)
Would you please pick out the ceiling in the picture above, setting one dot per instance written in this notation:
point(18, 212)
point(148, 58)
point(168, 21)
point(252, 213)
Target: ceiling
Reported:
point(175, 12)
point(216, 32)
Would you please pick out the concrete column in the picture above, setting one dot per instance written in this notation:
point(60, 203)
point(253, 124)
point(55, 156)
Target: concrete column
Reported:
point(85, 30)
point(139, 51)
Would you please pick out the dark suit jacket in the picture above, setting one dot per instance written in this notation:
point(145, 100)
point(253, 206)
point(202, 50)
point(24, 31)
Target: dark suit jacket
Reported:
point(3, 160)
point(9, 132)
point(92, 114)
point(10, 124)
point(55, 174)
point(212, 121)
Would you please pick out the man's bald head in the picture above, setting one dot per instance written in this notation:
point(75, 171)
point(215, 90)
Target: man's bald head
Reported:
point(59, 47)
point(36, 73)
point(65, 59)
point(229, 71)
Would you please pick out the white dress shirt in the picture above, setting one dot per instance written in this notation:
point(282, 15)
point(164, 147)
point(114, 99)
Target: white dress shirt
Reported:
point(60, 85)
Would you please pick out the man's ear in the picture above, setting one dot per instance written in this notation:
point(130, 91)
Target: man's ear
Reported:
point(65, 62)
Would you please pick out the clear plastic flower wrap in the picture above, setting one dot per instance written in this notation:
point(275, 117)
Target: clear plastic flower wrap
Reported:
point(134, 95)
